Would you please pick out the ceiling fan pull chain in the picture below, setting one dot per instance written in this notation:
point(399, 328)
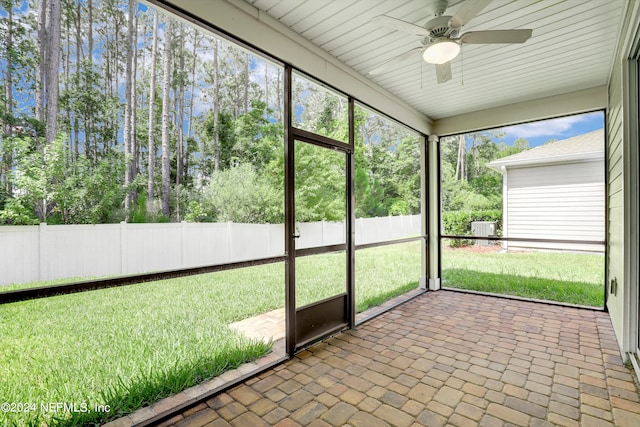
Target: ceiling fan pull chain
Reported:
point(461, 67)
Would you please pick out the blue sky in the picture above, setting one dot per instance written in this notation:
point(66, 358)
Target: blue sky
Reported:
point(537, 133)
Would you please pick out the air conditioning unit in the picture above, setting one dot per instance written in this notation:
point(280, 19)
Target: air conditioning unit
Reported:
point(484, 229)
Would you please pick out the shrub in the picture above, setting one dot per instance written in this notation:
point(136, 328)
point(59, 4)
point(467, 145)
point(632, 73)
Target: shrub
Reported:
point(459, 223)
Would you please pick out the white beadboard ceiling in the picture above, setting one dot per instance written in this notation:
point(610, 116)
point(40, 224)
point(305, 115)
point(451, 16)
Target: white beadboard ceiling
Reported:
point(572, 48)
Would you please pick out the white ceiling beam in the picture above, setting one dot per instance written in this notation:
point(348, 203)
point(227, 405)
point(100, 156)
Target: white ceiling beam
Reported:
point(577, 102)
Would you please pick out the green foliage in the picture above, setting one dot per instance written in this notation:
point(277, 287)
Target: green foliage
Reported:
point(467, 183)
point(37, 181)
point(519, 145)
point(238, 194)
point(387, 167)
point(94, 191)
point(48, 190)
point(82, 180)
point(139, 214)
point(458, 223)
point(320, 184)
point(90, 107)
point(257, 140)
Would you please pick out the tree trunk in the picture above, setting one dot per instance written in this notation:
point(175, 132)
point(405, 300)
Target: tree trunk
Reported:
point(461, 156)
point(216, 107)
point(88, 125)
point(193, 81)
point(79, 58)
point(66, 66)
point(128, 112)
point(166, 84)
point(134, 105)
point(476, 156)
point(52, 70)
point(266, 89)
point(152, 107)
point(90, 31)
point(191, 100)
point(8, 101)
point(40, 67)
point(246, 84)
point(279, 103)
point(180, 110)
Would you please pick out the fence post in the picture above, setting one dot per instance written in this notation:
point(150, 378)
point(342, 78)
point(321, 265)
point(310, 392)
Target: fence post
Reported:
point(390, 226)
point(123, 247)
point(229, 242)
point(183, 244)
point(42, 250)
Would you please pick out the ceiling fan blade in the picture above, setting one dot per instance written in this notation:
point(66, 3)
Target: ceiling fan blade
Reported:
point(496, 36)
point(468, 11)
point(443, 72)
point(400, 25)
point(385, 66)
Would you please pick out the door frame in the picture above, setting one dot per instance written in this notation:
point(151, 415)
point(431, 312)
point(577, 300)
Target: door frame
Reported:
point(293, 134)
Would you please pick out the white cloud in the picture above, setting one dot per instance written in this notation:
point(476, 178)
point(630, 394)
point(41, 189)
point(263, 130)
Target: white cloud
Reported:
point(549, 128)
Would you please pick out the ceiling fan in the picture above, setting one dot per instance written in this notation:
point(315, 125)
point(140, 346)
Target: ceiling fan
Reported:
point(441, 39)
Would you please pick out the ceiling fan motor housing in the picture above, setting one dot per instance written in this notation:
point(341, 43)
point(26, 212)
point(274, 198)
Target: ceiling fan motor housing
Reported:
point(439, 28)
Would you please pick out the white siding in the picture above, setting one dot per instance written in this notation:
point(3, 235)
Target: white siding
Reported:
point(564, 201)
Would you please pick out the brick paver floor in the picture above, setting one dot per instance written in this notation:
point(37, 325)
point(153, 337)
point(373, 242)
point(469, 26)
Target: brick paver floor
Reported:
point(445, 358)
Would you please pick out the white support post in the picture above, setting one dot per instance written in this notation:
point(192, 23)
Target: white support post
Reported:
point(433, 205)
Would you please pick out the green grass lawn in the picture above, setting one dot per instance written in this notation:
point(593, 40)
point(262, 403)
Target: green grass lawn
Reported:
point(566, 277)
point(130, 346)
point(385, 272)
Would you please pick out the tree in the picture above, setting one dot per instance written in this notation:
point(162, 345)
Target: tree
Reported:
point(98, 96)
point(129, 125)
point(212, 78)
point(52, 69)
point(519, 145)
point(255, 138)
point(40, 71)
point(7, 113)
point(461, 170)
point(166, 84)
point(39, 173)
point(407, 178)
point(151, 150)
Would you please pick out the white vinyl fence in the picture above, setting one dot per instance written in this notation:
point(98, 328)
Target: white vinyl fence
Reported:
point(47, 252)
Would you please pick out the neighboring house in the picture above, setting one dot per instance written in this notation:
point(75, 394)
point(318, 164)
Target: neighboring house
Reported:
point(555, 191)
